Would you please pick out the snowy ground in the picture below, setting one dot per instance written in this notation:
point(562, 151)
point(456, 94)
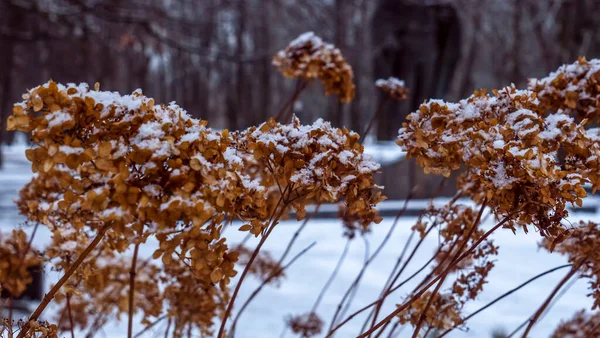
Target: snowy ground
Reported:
point(519, 259)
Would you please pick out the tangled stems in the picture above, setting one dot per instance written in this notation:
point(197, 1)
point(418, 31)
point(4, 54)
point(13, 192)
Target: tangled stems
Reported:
point(275, 273)
point(506, 294)
point(50, 295)
point(440, 276)
point(539, 312)
point(445, 273)
point(262, 241)
point(132, 288)
point(368, 261)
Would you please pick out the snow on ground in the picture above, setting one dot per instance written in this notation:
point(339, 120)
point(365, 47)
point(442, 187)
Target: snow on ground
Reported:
point(519, 260)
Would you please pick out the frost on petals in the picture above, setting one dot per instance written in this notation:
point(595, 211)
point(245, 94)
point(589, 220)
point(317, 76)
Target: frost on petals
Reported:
point(512, 145)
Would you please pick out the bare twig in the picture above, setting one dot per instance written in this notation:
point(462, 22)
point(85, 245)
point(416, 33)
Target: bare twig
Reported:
point(132, 273)
point(364, 267)
point(506, 294)
point(332, 277)
point(450, 266)
point(275, 273)
point(247, 268)
point(539, 312)
point(445, 273)
point(50, 295)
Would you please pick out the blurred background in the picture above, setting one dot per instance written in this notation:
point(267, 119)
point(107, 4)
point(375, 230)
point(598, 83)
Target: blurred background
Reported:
point(214, 56)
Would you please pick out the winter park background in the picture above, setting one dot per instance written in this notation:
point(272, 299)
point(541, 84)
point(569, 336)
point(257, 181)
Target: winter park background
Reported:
point(213, 58)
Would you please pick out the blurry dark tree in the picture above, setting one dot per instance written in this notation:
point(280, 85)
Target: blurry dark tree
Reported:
point(214, 56)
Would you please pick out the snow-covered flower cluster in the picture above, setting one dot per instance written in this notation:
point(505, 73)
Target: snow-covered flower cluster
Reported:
point(308, 57)
point(317, 163)
point(524, 153)
point(458, 229)
point(581, 249)
point(582, 325)
point(393, 87)
point(16, 261)
point(123, 169)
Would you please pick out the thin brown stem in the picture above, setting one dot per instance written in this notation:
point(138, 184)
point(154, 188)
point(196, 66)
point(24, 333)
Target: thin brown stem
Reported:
point(331, 278)
point(247, 268)
point(132, 273)
point(151, 325)
point(366, 307)
point(445, 273)
point(50, 295)
point(374, 118)
point(300, 86)
point(506, 294)
point(424, 289)
point(539, 312)
point(275, 273)
point(71, 325)
point(368, 261)
point(168, 327)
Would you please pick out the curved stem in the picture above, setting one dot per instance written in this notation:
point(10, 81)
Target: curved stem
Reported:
point(275, 272)
point(70, 315)
point(506, 294)
point(332, 277)
point(447, 271)
point(50, 295)
point(132, 273)
point(151, 325)
point(374, 118)
point(539, 312)
point(359, 311)
point(424, 289)
point(373, 256)
point(246, 269)
point(266, 281)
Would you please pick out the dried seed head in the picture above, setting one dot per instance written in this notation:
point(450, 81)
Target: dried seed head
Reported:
point(309, 57)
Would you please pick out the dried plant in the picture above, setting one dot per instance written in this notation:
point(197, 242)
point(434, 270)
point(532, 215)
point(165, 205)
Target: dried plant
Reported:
point(308, 57)
point(114, 172)
point(582, 325)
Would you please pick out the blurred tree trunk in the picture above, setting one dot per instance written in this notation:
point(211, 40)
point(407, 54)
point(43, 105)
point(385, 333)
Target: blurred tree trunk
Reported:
point(336, 115)
point(240, 107)
point(360, 54)
point(7, 62)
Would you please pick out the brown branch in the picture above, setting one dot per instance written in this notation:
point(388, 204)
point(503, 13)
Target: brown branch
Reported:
point(132, 273)
point(506, 294)
point(71, 325)
point(424, 289)
point(50, 295)
point(359, 311)
point(368, 261)
point(247, 268)
point(445, 273)
point(273, 274)
point(539, 312)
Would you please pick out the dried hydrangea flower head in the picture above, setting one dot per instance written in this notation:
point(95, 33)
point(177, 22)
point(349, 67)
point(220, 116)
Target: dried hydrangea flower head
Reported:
point(455, 223)
point(16, 259)
point(351, 224)
point(443, 313)
point(572, 87)
point(308, 57)
point(510, 144)
point(581, 249)
point(265, 267)
point(316, 163)
point(582, 325)
point(106, 158)
point(393, 87)
point(306, 325)
point(100, 290)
